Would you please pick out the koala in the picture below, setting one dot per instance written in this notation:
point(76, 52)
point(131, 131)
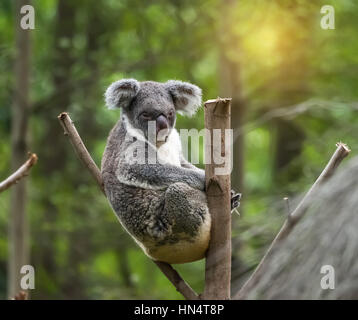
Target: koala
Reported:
point(162, 204)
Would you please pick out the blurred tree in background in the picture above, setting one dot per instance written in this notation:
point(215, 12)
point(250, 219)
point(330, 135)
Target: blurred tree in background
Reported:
point(294, 88)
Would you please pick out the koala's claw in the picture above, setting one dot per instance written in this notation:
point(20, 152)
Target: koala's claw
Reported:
point(235, 199)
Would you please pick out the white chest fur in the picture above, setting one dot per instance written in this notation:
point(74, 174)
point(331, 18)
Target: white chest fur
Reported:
point(170, 151)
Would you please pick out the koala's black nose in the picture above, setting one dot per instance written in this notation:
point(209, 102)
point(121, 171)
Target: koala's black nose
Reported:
point(162, 123)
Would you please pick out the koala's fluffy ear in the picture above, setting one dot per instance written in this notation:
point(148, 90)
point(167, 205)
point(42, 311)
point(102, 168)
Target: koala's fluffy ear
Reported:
point(120, 93)
point(186, 96)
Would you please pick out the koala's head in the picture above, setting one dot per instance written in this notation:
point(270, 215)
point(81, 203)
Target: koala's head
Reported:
point(142, 102)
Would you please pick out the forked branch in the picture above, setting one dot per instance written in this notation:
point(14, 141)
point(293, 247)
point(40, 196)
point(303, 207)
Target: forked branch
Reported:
point(71, 132)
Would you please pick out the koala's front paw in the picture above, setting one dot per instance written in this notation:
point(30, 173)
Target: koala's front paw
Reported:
point(235, 199)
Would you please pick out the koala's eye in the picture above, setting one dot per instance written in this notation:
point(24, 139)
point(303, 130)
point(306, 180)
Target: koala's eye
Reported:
point(171, 114)
point(145, 116)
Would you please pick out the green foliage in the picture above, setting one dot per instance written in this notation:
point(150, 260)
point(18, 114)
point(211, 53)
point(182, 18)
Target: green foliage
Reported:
point(282, 57)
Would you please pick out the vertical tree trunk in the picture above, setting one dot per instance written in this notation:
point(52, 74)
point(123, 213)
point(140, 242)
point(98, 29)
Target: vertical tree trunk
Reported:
point(53, 157)
point(18, 228)
point(218, 187)
point(230, 86)
point(292, 87)
point(288, 146)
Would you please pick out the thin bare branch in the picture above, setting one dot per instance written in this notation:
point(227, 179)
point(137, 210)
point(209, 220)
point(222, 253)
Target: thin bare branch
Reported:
point(341, 152)
point(178, 282)
point(71, 132)
point(20, 173)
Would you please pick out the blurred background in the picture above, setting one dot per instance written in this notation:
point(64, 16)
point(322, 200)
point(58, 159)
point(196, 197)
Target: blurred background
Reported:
point(294, 88)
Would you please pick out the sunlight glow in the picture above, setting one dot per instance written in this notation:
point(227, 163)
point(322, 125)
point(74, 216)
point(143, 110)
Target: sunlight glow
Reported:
point(263, 44)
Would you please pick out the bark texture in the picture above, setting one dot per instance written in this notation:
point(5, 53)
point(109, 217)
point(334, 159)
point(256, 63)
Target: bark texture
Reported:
point(218, 187)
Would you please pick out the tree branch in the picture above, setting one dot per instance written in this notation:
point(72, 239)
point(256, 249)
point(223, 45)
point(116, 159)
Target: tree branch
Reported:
point(341, 152)
point(19, 173)
point(71, 132)
point(178, 282)
point(218, 187)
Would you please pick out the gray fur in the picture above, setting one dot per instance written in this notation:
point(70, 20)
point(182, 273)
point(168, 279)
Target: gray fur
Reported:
point(187, 97)
point(120, 93)
point(158, 204)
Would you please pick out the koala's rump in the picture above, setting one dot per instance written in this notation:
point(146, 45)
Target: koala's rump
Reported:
point(166, 229)
point(184, 250)
point(190, 233)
